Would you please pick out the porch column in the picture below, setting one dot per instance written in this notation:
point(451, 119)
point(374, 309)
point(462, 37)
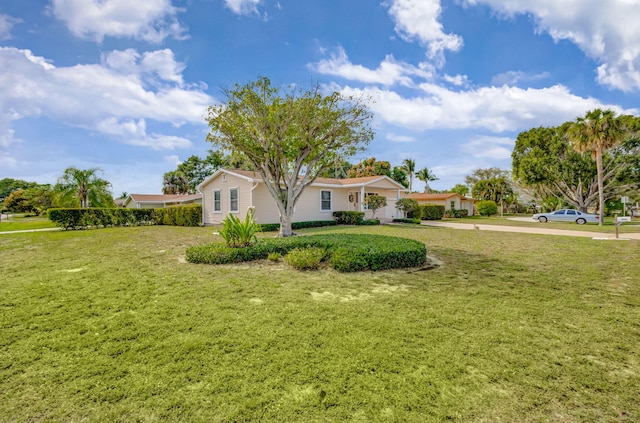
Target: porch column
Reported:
point(362, 198)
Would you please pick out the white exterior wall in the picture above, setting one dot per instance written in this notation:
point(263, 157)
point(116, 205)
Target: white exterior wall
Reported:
point(244, 198)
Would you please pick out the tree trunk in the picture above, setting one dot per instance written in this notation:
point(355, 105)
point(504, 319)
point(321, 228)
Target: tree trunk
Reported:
point(600, 185)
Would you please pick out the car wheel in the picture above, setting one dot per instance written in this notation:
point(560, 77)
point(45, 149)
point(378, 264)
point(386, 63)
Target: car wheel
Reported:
point(581, 221)
point(542, 219)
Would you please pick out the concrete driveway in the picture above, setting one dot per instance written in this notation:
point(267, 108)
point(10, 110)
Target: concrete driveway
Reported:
point(534, 230)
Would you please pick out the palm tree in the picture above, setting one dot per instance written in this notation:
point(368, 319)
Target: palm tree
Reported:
point(83, 188)
point(175, 182)
point(409, 166)
point(426, 176)
point(597, 132)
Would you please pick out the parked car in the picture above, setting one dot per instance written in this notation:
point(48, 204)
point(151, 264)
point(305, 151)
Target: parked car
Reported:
point(567, 215)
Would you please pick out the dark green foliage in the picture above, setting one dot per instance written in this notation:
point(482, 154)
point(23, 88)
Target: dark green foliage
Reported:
point(432, 212)
point(273, 227)
point(407, 220)
point(189, 215)
point(456, 213)
point(369, 222)
point(346, 252)
point(348, 217)
point(105, 217)
point(487, 207)
point(410, 207)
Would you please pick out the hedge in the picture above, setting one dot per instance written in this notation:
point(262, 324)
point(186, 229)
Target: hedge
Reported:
point(272, 227)
point(349, 217)
point(104, 217)
point(406, 220)
point(432, 212)
point(346, 252)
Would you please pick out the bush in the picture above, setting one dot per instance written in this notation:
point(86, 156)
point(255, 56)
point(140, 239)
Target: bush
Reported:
point(239, 233)
point(105, 217)
point(275, 256)
point(348, 217)
point(410, 207)
point(432, 212)
point(369, 222)
point(487, 207)
point(308, 258)
point(345, 252)
point(273, 227)
point(407, 220)
point(453, 213)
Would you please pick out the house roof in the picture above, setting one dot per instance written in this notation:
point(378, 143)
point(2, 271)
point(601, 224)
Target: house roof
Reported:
point(253, 176)
point(162, 198)
point(436, 197)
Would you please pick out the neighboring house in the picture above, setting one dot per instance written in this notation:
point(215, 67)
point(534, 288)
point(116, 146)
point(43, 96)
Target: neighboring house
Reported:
point(449, 200)
point(155, 201)
point(236, 191)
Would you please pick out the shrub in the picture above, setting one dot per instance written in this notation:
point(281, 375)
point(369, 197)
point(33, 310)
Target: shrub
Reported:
point(348, 217)
point(487, 207)
point(432, 212)
point(345, 252)
point(375, 202)
point(369, 222)
point(239, 233)
point(273, 227)
point(305, 258)
point(105, 217)
point(189, 215)
point(453, 213)
point(407, 220)
point(274, 256)
point(409, 207)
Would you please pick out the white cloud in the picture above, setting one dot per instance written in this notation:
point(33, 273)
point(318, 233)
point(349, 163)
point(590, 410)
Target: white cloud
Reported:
point(116, 98)
point(6, 25)
point(148, 20)
point(390, 71)
point(243, 7)
point(419, 19)
point(607, 31)
point(494, 109)
point(399, 138)
point(516, 77)
point(486, 147)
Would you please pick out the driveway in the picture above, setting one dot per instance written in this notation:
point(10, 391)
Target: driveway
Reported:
point(533, 230)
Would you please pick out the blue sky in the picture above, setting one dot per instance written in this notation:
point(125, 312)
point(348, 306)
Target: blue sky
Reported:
point(124, 85)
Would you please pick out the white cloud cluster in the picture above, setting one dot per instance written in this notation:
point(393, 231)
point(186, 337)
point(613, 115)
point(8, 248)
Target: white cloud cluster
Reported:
point(243, 7)
point(390, 71)
point(419, 19)
point(607, 31)
point(148, 20)
point(115, 98)
point(492, 109)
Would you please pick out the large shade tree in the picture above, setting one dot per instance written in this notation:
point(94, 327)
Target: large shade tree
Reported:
point(597, 132)
point(83, 188)
point(290, 136)
point(175, 183)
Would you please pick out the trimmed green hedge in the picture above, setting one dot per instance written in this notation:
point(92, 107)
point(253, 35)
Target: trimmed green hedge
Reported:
point(432, 212)
point(407, 220)
point(190, 215)
point(349, 217)
point(272, 227)
point(346, 252)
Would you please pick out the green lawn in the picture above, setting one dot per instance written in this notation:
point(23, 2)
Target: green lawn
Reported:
point(20, 223)
point(113, 325)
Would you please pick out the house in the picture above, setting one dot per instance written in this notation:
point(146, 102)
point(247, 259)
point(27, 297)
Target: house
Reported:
point(449, 200)
point(236, 191)
point(154, 201)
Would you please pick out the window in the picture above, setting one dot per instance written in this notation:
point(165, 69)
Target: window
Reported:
point(217, 201)
point(233, 200)
point(325, 200)
point(573, 212)
point(453, 205)
point(559, 212)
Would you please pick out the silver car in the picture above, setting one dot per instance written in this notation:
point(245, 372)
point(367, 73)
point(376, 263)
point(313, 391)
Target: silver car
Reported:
point(567, 215)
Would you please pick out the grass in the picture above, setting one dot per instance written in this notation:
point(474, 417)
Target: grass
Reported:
point(21, 223)
point(112, 325)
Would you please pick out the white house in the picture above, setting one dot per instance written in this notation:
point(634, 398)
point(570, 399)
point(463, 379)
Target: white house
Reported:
point(449, 200)
point(235, 191)
point(154, 201)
